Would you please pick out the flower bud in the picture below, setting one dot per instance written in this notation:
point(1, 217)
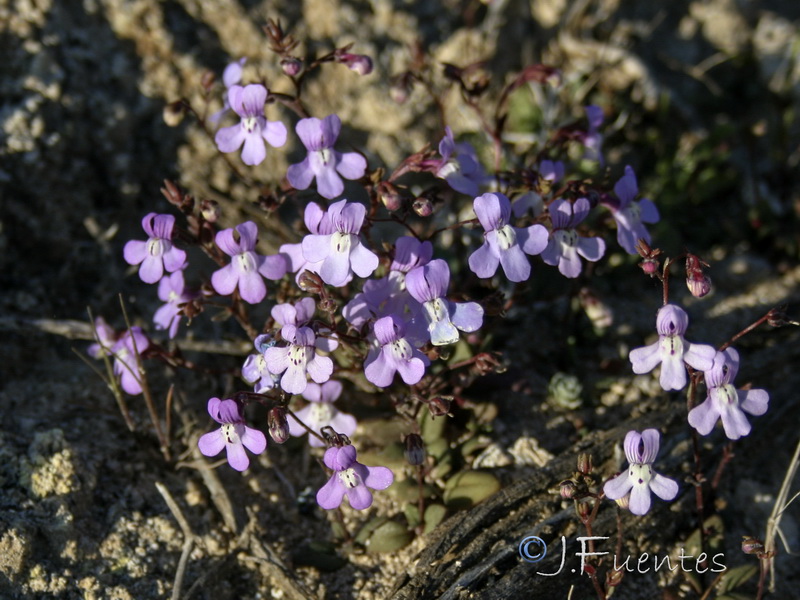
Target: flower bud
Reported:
point(698, 283)
point(567, 489)
point(777, 317)
point(309, 282)
point(649, 266)
point(414, 449)
point(360, 63)
point(291, 66)
point(278, 424)
point(389, 196)
point(751, 545)
point(439, 406)
point(423, 206)
point(650, 262)
point(210, 210)
point(698, 286)
point(585, 463)
point(174, 113)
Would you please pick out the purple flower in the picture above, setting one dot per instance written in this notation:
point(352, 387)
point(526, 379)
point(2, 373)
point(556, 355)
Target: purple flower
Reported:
point(503, 244)
point(593, 139)
point(157, 253)
point(232, 75)
point(672, 350)
point(320, 412)
point(172, 290)
point(126, 364)
point(234, 436)
point(565, 246)
point(318, 223)
point(387, 295)
point(106, 337)
point(255, 370)
point(459, 165)
point(410, 253)
point(297, 314)
point(428, 285)
point(352, 479)
point(253, 129)
point(323, 162)
point(124, 350)
point(630, 215)
point(246, 268)
point(300, 314)
point(725, 402)
point(298, 358)
point(396, 354)
point(640, 479)
point(340, 252)
point(531, 201)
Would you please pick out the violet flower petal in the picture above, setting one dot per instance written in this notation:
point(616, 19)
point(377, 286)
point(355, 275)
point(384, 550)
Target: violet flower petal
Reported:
point(211, 443)
point(331, 494)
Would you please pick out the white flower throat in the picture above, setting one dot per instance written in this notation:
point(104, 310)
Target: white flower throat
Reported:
point(230, 433)
point(567, 238)
point(250, 124)
point(341, 242)
point(157, 246)
point(349, 478)
point(246, 262)
point(640, 475)
point(506, 237)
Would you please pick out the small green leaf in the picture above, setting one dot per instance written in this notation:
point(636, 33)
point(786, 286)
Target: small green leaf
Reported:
point(437, 449)
point(407, 490)
point(473, 445)
point(369, 527)
point(434, 514)
point(391, 455)
point(468, 488)
point(431, 428)
point(388, 537)
point(736, 577)
point(411, 511)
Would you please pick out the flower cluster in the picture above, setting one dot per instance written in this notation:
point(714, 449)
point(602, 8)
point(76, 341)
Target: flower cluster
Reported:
point(372, 305)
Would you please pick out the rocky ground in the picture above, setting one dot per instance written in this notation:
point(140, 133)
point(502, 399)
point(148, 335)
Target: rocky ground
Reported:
point(706, 97)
